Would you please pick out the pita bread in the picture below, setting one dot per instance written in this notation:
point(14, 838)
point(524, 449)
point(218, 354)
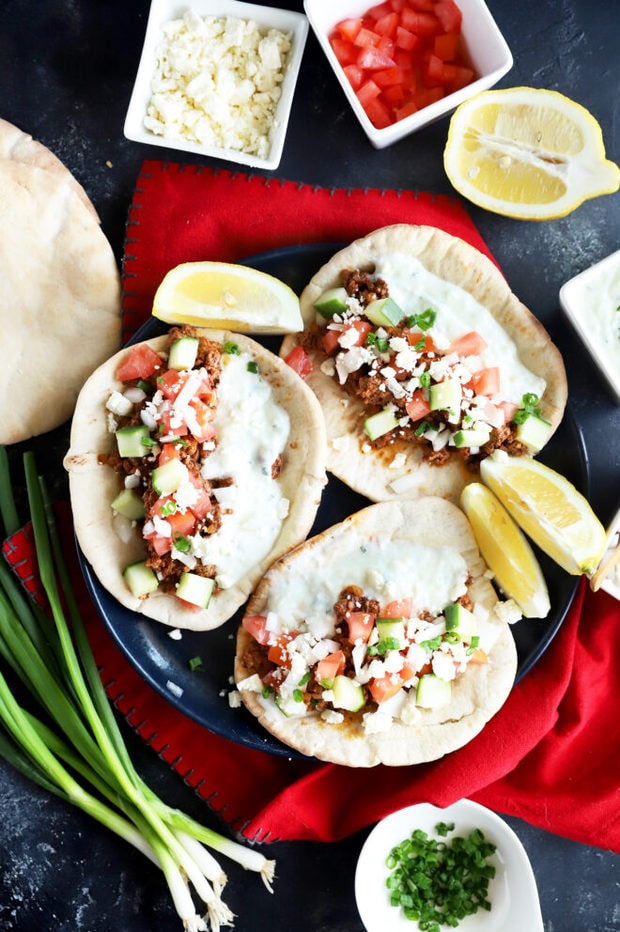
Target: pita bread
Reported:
point(60, 293)
point(93, 486)
point(371, 472)
point(413, 736)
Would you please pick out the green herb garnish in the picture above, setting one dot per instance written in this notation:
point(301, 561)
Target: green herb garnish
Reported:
point(196, 665)
point(424, 321)
point(231, 349)
point(529, 408)
point(252, 366)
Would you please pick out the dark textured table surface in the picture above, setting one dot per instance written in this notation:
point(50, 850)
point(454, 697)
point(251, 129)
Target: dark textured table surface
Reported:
point(66, 72)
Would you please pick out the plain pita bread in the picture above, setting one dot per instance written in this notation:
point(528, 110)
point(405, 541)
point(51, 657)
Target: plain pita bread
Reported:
point(372, 471)
point(60, 293)
point(93, 486)
point(476, 696)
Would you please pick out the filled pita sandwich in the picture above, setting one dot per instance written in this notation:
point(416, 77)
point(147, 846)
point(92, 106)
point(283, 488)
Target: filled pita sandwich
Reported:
point(379, 641)
point(60, 299)
point(196, 458)
point(424, 362)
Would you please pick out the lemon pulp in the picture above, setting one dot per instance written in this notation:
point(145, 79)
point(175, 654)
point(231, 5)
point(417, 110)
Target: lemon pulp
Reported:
point(227, 296)
point(551, 511)
point(527, 153)
point(506, 551)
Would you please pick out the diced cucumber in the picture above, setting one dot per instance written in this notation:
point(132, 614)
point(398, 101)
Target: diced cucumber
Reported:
point(166, 479)
point(183, 353)
point(384, 312)
point(445, 396)
point(195, 589)
point(140, 579)
point(381, 423)
point(333, 301)
point(131, 440)
point(129, 504)
point(348, 694)
point(432, 692)
point(392, 628)
point(533, 432)
point(460, 619)
point(472, 437)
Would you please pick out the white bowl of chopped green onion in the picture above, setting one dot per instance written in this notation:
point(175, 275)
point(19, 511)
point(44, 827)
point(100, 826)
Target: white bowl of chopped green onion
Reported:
point(398, 877)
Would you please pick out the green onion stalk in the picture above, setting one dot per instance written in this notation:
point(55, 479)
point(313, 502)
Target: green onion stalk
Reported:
point(81, 756)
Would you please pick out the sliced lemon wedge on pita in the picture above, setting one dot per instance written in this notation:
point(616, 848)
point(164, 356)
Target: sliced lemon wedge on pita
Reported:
point(506, 551)
point(551, 511)
point(527, 153)
point(225, 296)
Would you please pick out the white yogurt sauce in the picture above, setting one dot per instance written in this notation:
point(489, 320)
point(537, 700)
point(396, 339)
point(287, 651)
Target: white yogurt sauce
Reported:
point(414, 289)
point(252, 431)
point(384, 569)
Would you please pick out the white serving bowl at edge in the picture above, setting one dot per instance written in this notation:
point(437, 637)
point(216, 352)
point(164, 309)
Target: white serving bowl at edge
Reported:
point(486, 48)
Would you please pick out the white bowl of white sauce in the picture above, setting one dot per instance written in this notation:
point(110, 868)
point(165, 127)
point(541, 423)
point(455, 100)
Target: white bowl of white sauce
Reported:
point(591, 301)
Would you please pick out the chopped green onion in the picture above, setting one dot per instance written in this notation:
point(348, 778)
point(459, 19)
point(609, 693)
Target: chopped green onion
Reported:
point(231, 349)
point(182, 543)
point(383, 646)
point(195, 664)
point(440, 882)
point(425, 379)
point(168, 508)
point(424, 321)
point(529, 408)
point(432, 644)
point(252, 366)
point(422, 427)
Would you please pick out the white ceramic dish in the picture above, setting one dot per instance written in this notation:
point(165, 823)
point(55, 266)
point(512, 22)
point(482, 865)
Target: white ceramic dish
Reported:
point(591, 300)
point(512, 892)
point(162, 11)
point(490, 56)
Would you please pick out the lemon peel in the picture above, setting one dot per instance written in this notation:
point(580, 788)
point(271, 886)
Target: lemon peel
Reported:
point(226, 296)
point(506, 551)
point(549, 509)
point(527, 153)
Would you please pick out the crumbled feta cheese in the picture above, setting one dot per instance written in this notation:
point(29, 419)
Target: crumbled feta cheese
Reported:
point(118, 404)
point(251, 684)
point(175, 634)
point(217, 82)
point(234, 699)
point(332, 717)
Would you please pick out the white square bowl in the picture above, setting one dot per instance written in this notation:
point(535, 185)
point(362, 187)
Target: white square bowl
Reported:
point(591, 301)
point(161, 12)
point(486, 48)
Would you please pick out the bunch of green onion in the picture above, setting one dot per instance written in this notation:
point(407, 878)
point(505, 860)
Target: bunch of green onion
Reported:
point(79, 753)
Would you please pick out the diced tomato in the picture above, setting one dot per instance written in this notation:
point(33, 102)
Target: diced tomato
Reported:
point(426, 6)
point(181, 523)
point(172, 381)
point(274, 677)
point(367, 92)
point(161, 506)
point(201, 507)
point(399, 608)
point(389, 77)
point(407, 40)
point(355, 75)
point(140, 363)
point(349, 28)
point(470, 344)
point(330, 338)
point(384, 687)
point(278, 653)
point(446, 46)
point(378, 12)
point(433, 71)
point(478, 656)
point(345, 51)
point(449, 15)
point(161, 545)
point(169, 451)
point(386, 26)
point(256, 625)
point(423, 24)
point(394, 95)
point(329, 668)
point(171, 424)
point(510, 409)
point(485, 381)
point(418, 406)
point(406, 110)
point(373, 59)
point(202, 428)
point(422, 341)
point(457, 77)
point(299, 361)
point(169, 383)
point(378, 113)
point(360, 626)
point(367, 38)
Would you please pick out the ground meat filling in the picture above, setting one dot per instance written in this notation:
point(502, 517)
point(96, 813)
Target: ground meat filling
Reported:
point(192, 453)
point(369, 386)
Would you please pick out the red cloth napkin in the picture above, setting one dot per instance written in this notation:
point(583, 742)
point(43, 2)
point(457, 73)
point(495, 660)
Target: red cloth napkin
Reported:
point(549, 756)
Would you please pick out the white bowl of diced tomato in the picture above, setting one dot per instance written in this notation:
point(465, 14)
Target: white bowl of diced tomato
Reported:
point(405, 63)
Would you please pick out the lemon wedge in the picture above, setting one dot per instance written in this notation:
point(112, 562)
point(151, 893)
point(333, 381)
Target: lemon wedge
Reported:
point(506, 551)
point(226, 296)
point(549, 509)
point(527, 153)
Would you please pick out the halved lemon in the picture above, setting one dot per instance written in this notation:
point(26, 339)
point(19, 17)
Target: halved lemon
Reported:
point(226, 296)
point(551, 511)
point(506, 551)
point(527, 153)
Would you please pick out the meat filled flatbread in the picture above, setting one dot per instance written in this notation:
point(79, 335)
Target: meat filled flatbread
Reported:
point(196, 458)
point(379, 641)
point(424, 362)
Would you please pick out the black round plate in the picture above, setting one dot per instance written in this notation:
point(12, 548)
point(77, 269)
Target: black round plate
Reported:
point(203, 695)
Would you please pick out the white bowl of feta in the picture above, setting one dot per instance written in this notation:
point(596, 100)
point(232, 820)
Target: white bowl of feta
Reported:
point(217, 78)
point(484, 45)
point(591, 301)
